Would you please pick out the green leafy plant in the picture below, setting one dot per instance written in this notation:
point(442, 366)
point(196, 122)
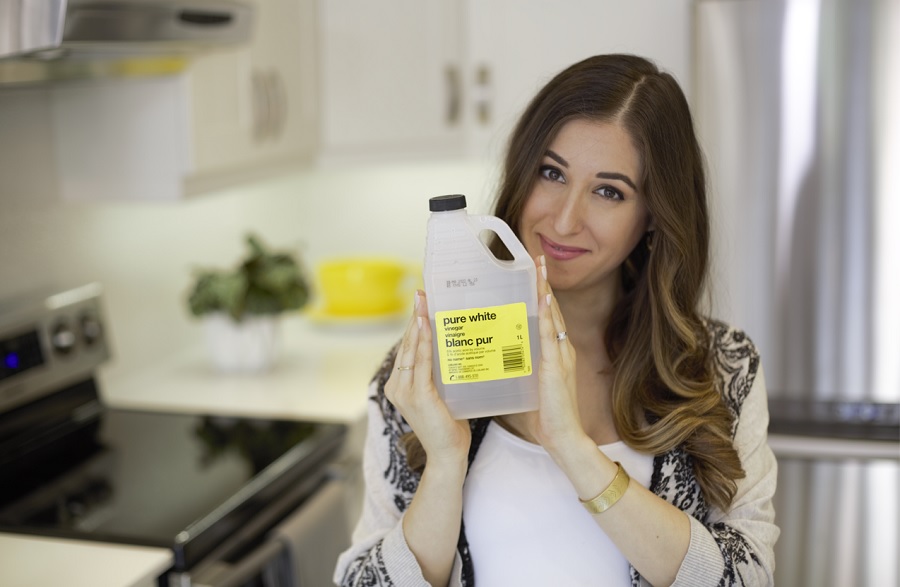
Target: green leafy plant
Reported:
point(265, 282)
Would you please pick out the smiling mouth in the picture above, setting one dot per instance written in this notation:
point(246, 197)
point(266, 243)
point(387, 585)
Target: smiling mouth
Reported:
point(558, 251)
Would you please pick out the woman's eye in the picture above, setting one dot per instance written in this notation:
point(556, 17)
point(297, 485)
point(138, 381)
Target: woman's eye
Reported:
point(610, 193)
point(552, 173)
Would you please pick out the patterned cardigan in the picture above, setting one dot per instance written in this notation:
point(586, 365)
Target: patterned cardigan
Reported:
point(726, 548)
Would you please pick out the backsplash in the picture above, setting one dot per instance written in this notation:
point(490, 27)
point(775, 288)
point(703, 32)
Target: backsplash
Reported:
point(143, 252)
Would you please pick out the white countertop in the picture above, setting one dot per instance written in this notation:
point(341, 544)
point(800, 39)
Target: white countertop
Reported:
point(27, 561)
point(322, 373)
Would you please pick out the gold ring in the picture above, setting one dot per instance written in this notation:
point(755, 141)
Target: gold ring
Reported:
point(404, 368)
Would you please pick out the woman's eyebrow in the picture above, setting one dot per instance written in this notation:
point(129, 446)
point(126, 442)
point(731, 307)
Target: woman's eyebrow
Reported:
point(602, 175)
point(619, 176)
point(557, 158)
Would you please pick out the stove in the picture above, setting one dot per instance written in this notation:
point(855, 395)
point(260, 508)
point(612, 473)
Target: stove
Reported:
point(210, 488)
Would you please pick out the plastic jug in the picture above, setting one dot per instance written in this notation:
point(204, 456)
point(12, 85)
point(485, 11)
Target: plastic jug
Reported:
point(483, 314)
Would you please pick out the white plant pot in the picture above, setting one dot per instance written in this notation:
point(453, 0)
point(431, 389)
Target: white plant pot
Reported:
point(248, 346)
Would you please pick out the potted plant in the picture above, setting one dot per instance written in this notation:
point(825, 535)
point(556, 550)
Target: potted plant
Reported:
point(240, 307)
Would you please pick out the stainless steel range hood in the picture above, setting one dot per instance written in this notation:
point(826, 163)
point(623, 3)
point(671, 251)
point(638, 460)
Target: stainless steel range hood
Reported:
point(58, 39)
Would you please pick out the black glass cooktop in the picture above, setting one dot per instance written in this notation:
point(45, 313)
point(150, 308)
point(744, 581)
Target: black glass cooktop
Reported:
point(158, 479)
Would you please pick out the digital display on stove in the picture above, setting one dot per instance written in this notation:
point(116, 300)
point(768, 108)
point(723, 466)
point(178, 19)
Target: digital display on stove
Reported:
point(20, 353)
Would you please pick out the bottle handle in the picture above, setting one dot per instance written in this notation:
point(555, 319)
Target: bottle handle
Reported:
point(509, 238)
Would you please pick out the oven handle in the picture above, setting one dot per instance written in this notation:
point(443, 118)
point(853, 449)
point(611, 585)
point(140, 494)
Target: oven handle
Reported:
point(265, 558)
point(250, 566)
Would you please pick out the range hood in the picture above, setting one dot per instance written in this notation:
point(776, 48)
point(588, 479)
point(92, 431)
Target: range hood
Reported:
point(58, 39)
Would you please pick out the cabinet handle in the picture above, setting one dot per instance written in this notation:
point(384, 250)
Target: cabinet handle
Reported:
point(280, 104)
point(454, 94)
point(262, 106)
point(483, 94)
point(270, 105)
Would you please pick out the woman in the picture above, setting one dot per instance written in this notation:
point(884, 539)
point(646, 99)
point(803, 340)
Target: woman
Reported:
point(604, 184)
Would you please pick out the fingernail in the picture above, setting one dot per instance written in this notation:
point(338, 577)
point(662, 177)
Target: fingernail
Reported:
point(548, 299)
point(544, 271)
point(416, 300)
point(419, 322)
point(543, 261)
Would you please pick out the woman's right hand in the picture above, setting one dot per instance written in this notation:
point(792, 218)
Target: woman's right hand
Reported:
point(412, 391)
point(431, 523)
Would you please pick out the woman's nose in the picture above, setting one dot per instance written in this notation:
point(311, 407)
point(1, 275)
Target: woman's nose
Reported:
point(569, 217)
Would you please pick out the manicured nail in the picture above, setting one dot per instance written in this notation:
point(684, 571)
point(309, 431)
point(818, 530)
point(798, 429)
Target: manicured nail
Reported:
point(543, 261)
point(548, 299)
point(544, 271)
point(416, 300)
point(419, 322)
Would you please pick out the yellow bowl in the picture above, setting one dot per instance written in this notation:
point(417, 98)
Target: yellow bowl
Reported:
point(359, 286)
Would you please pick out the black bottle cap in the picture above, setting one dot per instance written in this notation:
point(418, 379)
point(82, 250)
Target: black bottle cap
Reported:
point(447, 203)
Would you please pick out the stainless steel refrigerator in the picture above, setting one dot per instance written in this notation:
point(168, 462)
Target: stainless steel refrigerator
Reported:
point(797, 103)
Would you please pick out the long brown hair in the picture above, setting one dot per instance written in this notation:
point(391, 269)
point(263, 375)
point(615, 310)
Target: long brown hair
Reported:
point(664, 390)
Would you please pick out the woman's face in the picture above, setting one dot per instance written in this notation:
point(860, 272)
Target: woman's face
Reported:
point(585, 212)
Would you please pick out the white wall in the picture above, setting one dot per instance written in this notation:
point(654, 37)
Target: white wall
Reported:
point(143, 252)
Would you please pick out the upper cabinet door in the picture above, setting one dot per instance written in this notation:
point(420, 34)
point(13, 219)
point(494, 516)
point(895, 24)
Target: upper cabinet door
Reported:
point(405, 78)
point(515, 46)
point(390, 78)
point(254, 107)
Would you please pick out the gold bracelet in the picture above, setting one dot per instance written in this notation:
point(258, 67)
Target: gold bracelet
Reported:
point(609, 496)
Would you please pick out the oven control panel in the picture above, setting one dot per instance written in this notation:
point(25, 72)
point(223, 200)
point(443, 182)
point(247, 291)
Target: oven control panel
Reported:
point(48, 341)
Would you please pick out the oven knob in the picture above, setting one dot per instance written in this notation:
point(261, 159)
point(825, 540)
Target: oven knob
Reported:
point(62, 338)
point(91, 329)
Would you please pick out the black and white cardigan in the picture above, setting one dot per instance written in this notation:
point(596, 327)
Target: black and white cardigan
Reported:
point(726, 549)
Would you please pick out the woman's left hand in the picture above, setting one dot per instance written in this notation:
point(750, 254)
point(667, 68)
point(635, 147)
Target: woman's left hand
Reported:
point(557, 421)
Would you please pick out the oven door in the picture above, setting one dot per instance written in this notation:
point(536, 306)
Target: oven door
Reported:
point(299, 550)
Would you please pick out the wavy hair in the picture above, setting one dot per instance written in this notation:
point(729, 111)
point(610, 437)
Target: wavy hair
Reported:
point(664, 392)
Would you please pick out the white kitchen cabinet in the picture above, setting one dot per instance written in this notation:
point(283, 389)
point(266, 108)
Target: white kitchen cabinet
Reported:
point(347, 81)
point(254, 108)
point(390, 78)
point(515, 46)
point(234, 114)
point(403, 78)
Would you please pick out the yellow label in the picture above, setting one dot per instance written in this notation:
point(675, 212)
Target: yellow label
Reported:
point(483, 344)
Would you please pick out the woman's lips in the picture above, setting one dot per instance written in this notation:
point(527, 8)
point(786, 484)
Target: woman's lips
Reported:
point(558, 251)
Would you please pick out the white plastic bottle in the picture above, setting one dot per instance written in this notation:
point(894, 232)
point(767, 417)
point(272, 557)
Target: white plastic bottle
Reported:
point(483, 314)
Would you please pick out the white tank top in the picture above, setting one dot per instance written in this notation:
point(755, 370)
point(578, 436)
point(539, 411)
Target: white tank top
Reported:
point(524, 523)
